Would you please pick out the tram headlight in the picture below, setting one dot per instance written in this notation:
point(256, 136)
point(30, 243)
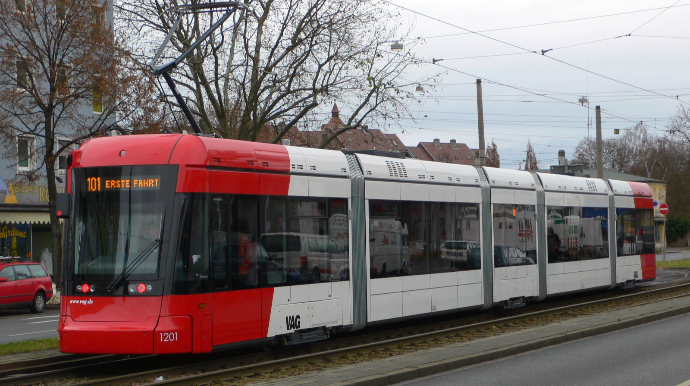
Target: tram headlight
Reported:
point(139, 288)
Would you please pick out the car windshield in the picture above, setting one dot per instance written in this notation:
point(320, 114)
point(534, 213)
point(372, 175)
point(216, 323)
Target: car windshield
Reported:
point(119, 220)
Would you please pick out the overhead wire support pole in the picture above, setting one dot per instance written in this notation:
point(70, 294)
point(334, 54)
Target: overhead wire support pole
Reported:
point(600, 165)
point(481, 159)
point(166, 68)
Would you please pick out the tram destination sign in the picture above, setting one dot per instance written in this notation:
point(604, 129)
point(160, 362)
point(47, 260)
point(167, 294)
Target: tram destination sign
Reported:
point(101, 184)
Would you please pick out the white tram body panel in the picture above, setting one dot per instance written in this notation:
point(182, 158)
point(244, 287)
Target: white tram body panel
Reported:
point(313, 305)
point(315, 173)
point(574, 274)
point(420, 181)
point(318, 173)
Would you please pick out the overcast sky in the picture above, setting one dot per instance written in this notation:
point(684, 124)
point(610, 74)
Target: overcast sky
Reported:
point(534, 97)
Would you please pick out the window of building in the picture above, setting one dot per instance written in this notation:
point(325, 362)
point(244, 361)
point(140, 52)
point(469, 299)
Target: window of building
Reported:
point(61, 10)
point(97, 98)
point(25, 150)
point(22, 75)
point(62, 79)
point(99, 15)
point(20, 5)
point(62, 157)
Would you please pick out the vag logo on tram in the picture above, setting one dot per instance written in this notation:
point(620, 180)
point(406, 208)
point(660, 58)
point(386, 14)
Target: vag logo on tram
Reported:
point(292, 322)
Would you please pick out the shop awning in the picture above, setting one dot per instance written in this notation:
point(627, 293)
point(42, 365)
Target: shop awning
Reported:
point(25, 217)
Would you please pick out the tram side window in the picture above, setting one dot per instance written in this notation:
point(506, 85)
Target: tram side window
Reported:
point(239, 261)
point(388, 239)
point(242, 242)
point(595, 233)
point(307, 237)
point(414, 215)
point(457, 240)
point(576, 233)
point(634, 231)
point(220, 254)
point(191, 264)
point(514, 235)
point(408, 237)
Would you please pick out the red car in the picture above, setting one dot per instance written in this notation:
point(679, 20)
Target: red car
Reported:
point(24, 283)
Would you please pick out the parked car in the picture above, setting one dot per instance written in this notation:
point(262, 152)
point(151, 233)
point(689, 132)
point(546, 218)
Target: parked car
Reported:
point(24, 283)
point(457, 253)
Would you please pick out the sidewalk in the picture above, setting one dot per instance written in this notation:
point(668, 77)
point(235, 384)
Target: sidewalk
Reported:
point(422, 363)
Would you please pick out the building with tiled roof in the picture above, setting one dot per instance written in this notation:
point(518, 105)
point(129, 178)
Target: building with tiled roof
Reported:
point(451, 152)
point(357, 139)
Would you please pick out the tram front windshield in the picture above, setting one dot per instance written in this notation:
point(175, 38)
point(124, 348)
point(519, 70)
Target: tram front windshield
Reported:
point(120, 216)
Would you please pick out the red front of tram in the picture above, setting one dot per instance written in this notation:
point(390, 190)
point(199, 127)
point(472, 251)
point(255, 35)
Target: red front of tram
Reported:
point(137, 277)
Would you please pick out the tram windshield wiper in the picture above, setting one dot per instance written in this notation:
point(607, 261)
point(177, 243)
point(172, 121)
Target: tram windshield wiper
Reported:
point(131, 267)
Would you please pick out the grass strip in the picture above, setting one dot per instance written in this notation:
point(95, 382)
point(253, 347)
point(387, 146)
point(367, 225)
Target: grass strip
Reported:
point(28, 346)
point(673, 264)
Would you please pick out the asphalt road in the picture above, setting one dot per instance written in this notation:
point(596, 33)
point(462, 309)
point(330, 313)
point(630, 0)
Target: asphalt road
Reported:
point(21, 324)
point(650, 354)
point(673, 254)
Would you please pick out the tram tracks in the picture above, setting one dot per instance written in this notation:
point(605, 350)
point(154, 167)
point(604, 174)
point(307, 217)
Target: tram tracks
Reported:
point(351, 349)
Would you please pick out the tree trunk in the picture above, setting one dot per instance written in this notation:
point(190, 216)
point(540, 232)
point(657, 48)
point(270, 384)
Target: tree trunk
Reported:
point(55, 229)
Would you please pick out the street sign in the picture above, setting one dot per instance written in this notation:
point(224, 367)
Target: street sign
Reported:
point(663, 209)
point(656, 203)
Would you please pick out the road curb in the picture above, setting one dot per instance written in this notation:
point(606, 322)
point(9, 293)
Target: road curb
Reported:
point(397, 376)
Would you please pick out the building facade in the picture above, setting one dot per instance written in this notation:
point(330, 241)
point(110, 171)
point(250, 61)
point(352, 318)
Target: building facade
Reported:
point(24, 215)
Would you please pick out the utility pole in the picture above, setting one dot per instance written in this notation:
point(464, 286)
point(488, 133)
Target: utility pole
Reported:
point(481, 160)
point(600, 166)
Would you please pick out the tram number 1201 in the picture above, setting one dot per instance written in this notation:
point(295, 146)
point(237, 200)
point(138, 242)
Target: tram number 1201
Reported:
point(168, 337)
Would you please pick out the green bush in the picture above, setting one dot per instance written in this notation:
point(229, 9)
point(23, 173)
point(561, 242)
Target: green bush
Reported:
point(676, 228)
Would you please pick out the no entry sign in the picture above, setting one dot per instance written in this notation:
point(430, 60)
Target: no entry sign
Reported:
point(663, 209)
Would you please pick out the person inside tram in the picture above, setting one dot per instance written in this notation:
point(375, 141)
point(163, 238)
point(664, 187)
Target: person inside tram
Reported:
point(554, 245)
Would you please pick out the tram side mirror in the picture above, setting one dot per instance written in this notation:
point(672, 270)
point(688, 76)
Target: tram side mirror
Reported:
point(3, 280)
point(63, 205)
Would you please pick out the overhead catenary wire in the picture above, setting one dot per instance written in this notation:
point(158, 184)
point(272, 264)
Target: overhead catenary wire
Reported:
point(541, 52)
point(557, 22)
point(657, 15)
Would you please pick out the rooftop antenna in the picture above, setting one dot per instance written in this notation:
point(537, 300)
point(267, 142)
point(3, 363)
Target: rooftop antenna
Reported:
point(230, 7)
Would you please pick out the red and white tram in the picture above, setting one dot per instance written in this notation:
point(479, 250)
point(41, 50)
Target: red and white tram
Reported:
point(190, 244)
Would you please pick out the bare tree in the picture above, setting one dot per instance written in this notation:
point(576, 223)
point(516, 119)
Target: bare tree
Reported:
point(275, 64)
point(65, 78)
point(493, 159)
point(620, 154)
point(680, 123)
point(531, 158)
point(641, 153)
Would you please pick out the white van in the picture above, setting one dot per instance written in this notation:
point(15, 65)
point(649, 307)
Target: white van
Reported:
point(307, 257)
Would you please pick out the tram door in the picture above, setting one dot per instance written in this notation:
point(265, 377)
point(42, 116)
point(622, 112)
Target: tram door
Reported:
point(235, 268)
